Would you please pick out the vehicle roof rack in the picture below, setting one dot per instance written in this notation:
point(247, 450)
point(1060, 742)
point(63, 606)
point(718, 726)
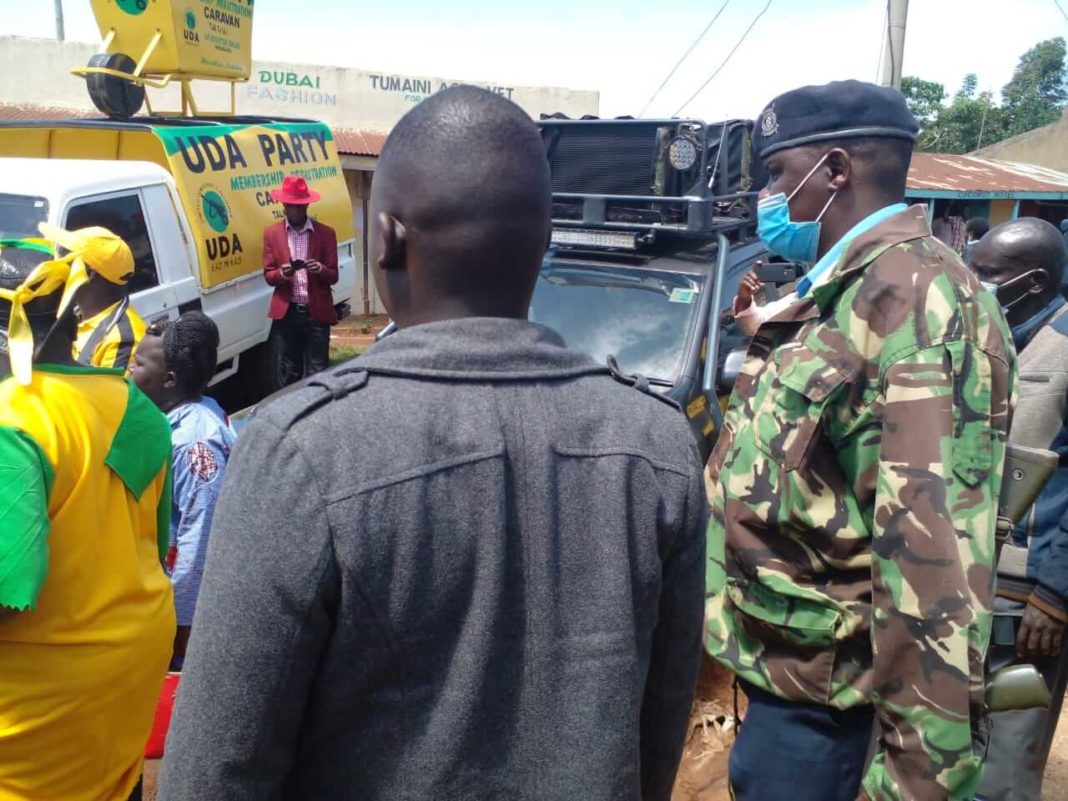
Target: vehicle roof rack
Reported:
point(650, 178)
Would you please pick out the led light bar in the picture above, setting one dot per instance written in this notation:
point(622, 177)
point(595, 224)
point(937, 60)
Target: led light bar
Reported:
point(621, 240)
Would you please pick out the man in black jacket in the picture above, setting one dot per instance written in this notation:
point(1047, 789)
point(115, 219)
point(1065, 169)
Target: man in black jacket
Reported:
point(471, 564)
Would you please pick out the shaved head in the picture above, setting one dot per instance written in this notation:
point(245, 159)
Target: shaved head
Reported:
point(1028, 243)
point(460, 209)
point(1027, 253)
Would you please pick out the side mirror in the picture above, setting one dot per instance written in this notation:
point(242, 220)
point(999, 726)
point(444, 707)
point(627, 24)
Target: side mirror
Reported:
point(385, 332)
point(728, 374)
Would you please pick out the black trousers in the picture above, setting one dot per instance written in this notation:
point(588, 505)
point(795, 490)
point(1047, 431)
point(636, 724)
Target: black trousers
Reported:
point(799, 752)
point(306, 344)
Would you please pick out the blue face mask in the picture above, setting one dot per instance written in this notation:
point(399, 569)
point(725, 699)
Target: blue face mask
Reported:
point(794, 241)
point(996, 289)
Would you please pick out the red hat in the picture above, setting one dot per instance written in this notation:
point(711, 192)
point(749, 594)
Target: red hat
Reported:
point(295, 192)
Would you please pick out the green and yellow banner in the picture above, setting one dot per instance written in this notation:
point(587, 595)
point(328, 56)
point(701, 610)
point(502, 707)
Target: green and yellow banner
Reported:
point(225, 174)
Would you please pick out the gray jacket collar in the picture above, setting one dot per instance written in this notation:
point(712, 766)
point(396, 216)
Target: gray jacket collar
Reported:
point(477, 349)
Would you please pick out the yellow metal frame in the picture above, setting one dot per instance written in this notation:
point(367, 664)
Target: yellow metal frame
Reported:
point(138, 78)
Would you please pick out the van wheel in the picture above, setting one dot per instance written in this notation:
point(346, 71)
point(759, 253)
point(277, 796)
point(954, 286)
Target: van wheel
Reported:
point(113, 95)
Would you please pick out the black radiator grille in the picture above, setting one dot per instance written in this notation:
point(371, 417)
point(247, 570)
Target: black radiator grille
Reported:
point(602, 160)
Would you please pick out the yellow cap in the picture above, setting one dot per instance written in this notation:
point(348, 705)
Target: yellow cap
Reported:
point(95, 247)
point(45, 279)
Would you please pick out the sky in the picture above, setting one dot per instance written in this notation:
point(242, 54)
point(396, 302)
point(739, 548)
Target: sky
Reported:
point(625, 48)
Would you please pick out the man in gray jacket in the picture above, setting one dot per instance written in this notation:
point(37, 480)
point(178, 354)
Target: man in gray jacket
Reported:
point(469, 565)
point(1022, 262)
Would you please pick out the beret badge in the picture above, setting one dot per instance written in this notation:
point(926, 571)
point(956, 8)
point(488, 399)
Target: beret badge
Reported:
point(769, 122)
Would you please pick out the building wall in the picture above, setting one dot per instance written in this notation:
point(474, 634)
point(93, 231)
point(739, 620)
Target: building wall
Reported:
point(365, 299)
point(1046, 147)
point(1001, 211)
point(340, 97)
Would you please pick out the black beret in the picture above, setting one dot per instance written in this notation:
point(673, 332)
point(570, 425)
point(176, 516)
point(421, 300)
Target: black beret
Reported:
point(837, 110)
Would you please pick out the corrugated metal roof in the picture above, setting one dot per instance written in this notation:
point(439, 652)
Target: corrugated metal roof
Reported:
point(971, 175)
point(358, 143)
point(349, 142)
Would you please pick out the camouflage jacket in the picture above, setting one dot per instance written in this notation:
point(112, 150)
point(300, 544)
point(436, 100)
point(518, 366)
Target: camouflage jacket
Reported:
point(851, 545)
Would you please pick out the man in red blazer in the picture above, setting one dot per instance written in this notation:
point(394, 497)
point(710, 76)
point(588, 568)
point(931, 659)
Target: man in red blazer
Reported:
point(300, 262)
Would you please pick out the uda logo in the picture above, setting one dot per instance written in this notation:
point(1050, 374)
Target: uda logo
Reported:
point(213, 210)
point(132, 7)
point(190, 33)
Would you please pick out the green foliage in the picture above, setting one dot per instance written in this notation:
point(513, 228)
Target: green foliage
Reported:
point(342, 353)
point(924, 98)
point(1034, 97)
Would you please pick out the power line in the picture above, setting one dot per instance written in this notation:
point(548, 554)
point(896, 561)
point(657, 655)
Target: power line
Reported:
point(728, 58)
point(678, 64)
point(982, 123)
point(882, 47)
point(890, 43)
point(1061, 9)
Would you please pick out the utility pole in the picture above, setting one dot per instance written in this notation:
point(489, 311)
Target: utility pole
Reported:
point(59, 20)
point(897, 12)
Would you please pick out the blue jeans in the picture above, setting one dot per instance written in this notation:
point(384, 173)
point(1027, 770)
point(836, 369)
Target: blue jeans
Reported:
point(800, 752)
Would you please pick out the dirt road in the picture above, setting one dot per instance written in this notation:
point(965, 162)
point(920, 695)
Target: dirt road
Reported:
point(1055, 785)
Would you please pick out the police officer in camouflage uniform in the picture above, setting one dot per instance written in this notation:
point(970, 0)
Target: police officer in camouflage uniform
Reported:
point(851, 549)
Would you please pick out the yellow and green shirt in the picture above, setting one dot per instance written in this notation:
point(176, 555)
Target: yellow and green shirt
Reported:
point(109, 339)
point(86, 611)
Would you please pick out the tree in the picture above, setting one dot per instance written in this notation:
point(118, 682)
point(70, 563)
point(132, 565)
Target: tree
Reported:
point(924, 99)
point(968, 122)
point(1034, 97)
point(1041, 72)
point(959, 127)
point(968, 87)
point(1038, 88)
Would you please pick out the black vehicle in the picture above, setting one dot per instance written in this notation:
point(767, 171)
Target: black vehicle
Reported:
point(654, 225)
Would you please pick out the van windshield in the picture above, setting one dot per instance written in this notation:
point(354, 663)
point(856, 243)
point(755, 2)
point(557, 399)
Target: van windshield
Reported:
point(642, 317)
point(20, 214)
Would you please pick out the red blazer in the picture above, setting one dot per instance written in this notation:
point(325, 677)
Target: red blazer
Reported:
point(323, 248)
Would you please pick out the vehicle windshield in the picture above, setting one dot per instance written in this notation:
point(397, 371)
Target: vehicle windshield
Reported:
point(20, 214)
point(640, 316)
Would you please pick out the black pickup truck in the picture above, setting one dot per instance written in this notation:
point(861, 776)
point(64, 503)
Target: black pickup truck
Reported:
point(654, 225)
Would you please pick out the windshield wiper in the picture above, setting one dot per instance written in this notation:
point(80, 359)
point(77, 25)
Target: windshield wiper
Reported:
point(660, 382)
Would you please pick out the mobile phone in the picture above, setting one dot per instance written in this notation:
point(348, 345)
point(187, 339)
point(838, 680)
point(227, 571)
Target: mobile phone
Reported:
point(297, 264)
